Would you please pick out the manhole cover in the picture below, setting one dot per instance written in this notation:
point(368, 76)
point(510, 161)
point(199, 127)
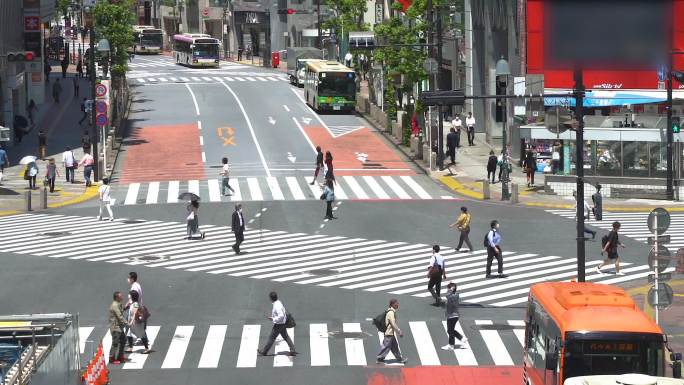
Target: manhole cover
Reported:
point(191, 164)
point(132, 221)
point(496, 327)
point(340, 334)
point(56, 233)
point(151, 258)
point(323, 272)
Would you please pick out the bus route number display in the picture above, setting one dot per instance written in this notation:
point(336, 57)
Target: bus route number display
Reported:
point(609, 347)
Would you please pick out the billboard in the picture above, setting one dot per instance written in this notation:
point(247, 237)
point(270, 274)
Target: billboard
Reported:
point(619, 43)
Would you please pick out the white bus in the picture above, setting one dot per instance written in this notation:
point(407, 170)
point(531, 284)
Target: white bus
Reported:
point(147, 39)
point(196, 50)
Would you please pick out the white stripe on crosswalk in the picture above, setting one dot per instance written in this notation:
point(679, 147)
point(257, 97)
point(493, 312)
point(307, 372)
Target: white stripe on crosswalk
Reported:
point(152, 79)
point(262, 79)
point(240, 79)
point(318, 339)
point(132, 194)
point(162, 79)
point(339, 192)
point(237, 195)
point(281, 349)
point(254, 189)
point(213, 345)
point(196, 79)
point(152, 193)
point(377, 190)
point(426, 349)
point(179, 344)
point(228, 78)
point(141, 80)
point(172, 193)
point(415, 187)
point(206, 78)
point(193, 187)
point(494, 344)
point(519, 330)
point(273, 185)
point(173, 79)
point(316, 190)
point(294, 188)
point(356, 354)
point(401, 193)
point(272, 79)
point(218, 79)
point(251, 79)
point(355, 187)
point(249, 343)
point(83, 334)
point(390, 356)
point(214, 190)
point(464, 355)
point(107, 346)
point(136, 360)
point(185, 79)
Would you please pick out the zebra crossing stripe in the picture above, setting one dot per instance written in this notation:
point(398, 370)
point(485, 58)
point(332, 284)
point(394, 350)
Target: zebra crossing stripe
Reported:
point(162, 79)
point(254, 189)
point(218, 79)
point(214, 190)
point(141, 80)
point(193, 187)
point(355, 186)
point(107, 346)
point(249, 343)
point(272, 79)
point(132, 195)
point(377, 190)
point(152, 192)
point(395, 187)
point(206, 78)
point(240, 79)
point(183, 79)
point(390, 356)
point(339, 192)
point(495, 344)
point(294, 188)
point(464, 355)
point(318, 340)
point(83, 334)
point(237, 196)
point(173, 79)
point(281, 349)
point(251, 79)
point(426, 349)
point(356, 354)
point(179, 344)
point(228, 78)
point(173, 192)
point(275, 188)
point(262, 79)
point(136, 360)
point(213, 345)
point(415, 187)
point(519, 331)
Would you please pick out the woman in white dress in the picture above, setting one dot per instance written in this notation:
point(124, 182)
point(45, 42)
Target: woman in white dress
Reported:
point(136, 325)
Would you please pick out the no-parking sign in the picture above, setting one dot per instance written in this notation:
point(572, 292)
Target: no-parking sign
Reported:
point(100, 90)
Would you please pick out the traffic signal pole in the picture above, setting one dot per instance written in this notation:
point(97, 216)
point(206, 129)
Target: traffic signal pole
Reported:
point(94, 131)
point(579, 168)
point(670, 135)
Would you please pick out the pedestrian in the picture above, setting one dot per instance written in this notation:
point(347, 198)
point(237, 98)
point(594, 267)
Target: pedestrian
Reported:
point(56, 90)
point(389, 342)
point(239, 53)
point(65, 65)
point(31, 109)
point(492, 242)
point(238, 227)
point(76, 86)
point(463, 226)
point(69, 161)
point(51, 173)
point(457, 125)
point(452, 303)
point(193, 219)
point(436, 271)
point(319, 163)
point(491, 166)
point(470, 128)
point(451, 142)
point(117, 326)
point(504, 162)
point(42, 144)
point(348, 58)
point(105, 194)
point(329, 197)
point(136, 323)
point(85, 141)
point(279, 316)
point(586, 211)
point(597, 198)
point(84, 111)
point(87, 162)
point(530, 165)
point(225, 177)
point(30, 174)
point(132, 280)
point(47, 68)
point(329, 172)
point(79, 68)
point(4, 161)
point(609, 245)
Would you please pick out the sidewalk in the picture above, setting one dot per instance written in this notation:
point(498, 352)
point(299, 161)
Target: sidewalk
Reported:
point(60, 122)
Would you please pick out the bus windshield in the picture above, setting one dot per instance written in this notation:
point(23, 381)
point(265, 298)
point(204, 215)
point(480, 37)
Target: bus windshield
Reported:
point(337, 84)
point(151, 39)
point(205, 50)
point(618, 355)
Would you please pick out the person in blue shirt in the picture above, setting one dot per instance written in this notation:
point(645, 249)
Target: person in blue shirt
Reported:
point(4, 162)
point(493, 244)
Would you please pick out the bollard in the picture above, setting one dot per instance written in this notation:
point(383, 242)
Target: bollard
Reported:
point(514, 193)
point(485, 189)
point(43, 198)
point(27, 200)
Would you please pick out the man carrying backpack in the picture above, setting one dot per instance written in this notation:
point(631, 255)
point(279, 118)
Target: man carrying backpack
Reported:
point(389, 343)
point(609, 244)
point(492, 242)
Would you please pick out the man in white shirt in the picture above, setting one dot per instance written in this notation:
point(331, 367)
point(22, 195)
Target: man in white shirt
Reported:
point(436, 272)
point(69, 164)
point(105, 199)
point(279, 318)
point(225, 177)
point(457, 124)
point(470, 127)
point(348, 59)
point(133, 281)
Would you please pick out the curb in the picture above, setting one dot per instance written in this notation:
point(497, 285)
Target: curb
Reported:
point(90, 193)
point(459, 188)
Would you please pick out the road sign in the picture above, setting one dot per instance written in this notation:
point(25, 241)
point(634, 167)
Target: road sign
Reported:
point(663, 221)
point(205, 12)
point(661, 239)
point(100, 90)
point(101, 107)
point(661, 277)
point(662, 70)
point(664, 294)
point(445, 98)
point(101, 120)
point(663, 258)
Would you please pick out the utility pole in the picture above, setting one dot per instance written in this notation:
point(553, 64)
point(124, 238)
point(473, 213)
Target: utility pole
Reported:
point(224, 26)
point(94, 130)
point(669, 134)
point(440, 124)
point(579, 162)
point(318, 24)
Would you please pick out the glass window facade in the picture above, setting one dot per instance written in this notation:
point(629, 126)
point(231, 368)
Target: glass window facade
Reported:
point(624, 159)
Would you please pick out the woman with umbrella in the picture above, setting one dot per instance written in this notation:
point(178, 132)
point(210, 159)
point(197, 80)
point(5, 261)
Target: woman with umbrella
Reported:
point(193, 215)
point(30, 170)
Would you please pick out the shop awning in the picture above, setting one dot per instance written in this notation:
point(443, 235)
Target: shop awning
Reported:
point(362, 40)
point(609, 98)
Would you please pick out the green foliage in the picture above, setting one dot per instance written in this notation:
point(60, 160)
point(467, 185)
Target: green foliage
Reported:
point(349, 15)
point(62, 6)
point(113, 21)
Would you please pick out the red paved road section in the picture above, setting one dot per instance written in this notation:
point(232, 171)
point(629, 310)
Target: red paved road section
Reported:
point(382, 160)
point(163, 153)
point(449, 375)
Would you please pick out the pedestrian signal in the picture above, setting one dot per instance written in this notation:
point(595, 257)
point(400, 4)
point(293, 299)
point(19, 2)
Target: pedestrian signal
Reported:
point(26, 56)
point(676, 124)
point(287, 11)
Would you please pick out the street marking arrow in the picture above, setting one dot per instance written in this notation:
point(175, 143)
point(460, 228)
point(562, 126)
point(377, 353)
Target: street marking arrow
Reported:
point(271, 120)
point(361, 156)
point(291, 157)
point(226, 133)
point(306, 120)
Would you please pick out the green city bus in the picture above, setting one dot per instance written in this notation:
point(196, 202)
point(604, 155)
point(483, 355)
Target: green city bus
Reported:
point(329, 86)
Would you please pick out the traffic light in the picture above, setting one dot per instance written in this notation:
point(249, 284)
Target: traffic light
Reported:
point(499, 110)
point(286, 11)
point(676, 124)
point(24, 56)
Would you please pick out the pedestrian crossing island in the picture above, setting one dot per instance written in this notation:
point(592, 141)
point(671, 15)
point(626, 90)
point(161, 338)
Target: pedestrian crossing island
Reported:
point(318, 344)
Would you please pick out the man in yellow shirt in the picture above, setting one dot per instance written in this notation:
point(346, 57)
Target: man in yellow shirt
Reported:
point(463, 225)
point(389, 343)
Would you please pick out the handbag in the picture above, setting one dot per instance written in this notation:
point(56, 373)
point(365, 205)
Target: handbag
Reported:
point(191, 216)
point(46, 182)
point(290, 321)
point(434, 271)
point(142, 314)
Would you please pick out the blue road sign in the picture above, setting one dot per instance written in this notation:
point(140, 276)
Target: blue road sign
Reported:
point(661, 72)
point(101, 107)
point(101, 120)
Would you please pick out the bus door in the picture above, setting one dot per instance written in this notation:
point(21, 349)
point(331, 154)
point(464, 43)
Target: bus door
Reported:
point(552, 361)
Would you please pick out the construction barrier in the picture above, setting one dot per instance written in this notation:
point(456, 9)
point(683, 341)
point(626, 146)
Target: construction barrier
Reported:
point(96, 372)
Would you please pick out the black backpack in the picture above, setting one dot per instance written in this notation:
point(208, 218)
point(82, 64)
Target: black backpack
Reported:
point(486, 239)
point(379, 321)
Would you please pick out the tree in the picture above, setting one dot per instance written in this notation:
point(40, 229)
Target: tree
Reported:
point(114, 22)
point(348, 15)
point(62, 7)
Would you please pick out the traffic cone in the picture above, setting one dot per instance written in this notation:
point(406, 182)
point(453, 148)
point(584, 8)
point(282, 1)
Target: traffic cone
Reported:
point(89, 375)
point(103, 375)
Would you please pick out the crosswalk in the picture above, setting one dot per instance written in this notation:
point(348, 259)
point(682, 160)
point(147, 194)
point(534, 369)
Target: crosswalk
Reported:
point(278, 188)
point(350, 263)
point(319, 344)
point(208, 78)
point(167, 63)
point(634, 225)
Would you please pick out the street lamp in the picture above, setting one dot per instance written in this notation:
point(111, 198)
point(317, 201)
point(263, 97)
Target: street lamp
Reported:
point(503, 71)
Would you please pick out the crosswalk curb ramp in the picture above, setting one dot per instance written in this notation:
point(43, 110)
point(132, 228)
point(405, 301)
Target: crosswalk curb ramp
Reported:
point(319, 344)
point(350, 263)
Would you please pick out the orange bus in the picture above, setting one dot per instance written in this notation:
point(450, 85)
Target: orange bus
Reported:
point(578, 329)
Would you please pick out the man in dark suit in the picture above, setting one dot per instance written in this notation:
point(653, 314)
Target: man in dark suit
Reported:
point(452, 142)
point(238, 227)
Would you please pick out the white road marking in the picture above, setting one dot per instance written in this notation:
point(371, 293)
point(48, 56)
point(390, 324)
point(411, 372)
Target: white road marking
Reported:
point(83, 334)
point(301, 129)
point(355, 186)
point(206, 78)
point(401, 193)
point(213, 345)
point(390, 356)
point(179, 345)
point(294, 188)
point(424, 345)
point(494, 344)
point(275, 188)
point(254, 189)
point(249, 343)
point(132, 194)
point(251, 79)
point(313, 112)
point(204, 157)
point(237, 196)
point(228, 78)
point(172, 193)
point(201, 140)
point(214, 190)
point(519, 331)
point(199, 125)
point(318, 340)
point(141, 80)
point(152, 192)
point(282, 347)
point(162, 79)
point(375, 186)
point(465, 356)
point(287, 108)
point(415, 187)
point(107, 346)
point(356, 355)
point(137, 360)
point(194, 99)
point(193, 187)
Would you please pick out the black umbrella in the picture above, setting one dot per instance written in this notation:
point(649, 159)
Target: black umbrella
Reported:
point(188, 196)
